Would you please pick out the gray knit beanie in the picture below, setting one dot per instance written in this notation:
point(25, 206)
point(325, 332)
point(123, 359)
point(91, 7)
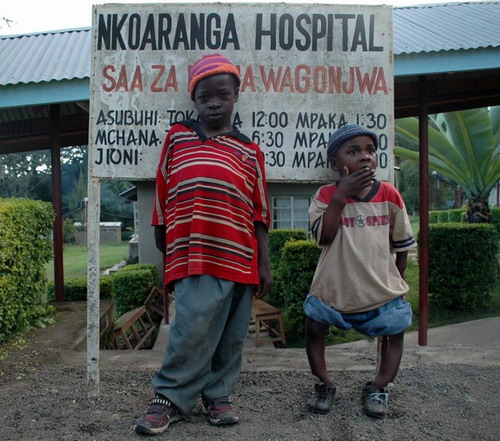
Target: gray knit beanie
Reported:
point(344, 134)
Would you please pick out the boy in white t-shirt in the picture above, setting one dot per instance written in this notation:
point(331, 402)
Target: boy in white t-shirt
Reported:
point(359, 222)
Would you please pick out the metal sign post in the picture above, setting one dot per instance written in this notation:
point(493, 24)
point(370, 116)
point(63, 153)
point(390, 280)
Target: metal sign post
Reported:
point(93, 301)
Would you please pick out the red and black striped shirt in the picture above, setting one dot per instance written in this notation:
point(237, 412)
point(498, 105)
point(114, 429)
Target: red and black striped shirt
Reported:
point(209, 193)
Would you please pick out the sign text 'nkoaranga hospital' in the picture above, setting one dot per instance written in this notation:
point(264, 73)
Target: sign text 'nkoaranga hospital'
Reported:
point(212, 31)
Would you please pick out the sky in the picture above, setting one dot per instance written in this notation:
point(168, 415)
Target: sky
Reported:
point(27, 16)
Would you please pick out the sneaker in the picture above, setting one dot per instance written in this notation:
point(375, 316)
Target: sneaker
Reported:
point(160, 413)
point(219, 411)
point(322, 402)
point(375, 403)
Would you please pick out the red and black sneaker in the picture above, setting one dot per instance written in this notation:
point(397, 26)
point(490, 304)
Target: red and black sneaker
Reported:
point(220, 411)
point(160, 413)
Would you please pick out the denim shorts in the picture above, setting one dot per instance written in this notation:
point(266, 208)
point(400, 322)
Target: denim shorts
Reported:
point(389, 319)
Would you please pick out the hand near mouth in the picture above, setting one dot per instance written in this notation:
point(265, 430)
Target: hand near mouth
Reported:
point(354, 184)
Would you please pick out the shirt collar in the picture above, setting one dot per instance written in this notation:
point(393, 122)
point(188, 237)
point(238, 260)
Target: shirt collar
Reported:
point(235, 133)
point(369, 196)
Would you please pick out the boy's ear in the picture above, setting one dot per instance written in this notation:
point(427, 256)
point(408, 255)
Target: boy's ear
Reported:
point(333, 164)
point(236, 94)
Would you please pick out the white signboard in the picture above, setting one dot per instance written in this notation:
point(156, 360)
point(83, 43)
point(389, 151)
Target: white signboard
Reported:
point(306, 70)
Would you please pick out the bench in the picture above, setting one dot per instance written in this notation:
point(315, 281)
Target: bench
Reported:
point(264, 316)
point(132, 329)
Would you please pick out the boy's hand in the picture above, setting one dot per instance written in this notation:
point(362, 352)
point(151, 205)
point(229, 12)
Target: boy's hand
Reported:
point(160, 238)
point(265, 281)
point(353, 184)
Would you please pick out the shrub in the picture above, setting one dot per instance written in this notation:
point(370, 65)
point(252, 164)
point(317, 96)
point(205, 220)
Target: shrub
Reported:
point(131, 288)
point(277, 239)
point(25, 247)
point(144, 266)
point(295, 272)
point(462, 265)
point(495, 215)
point(456, 215)
point(75, 289)
point(69, 231)
point(442, 216)
point(433, 217)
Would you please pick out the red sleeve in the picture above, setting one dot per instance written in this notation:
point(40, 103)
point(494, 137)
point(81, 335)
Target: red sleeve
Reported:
point(161, 185)
point(262, 212)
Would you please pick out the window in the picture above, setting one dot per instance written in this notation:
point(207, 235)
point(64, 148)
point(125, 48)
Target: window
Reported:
point(291, 212)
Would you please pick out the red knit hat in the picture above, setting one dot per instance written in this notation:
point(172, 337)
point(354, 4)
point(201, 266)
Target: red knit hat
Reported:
point(208, 65)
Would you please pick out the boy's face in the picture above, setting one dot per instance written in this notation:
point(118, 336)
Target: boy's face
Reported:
point(355, 154)
point(214, 100)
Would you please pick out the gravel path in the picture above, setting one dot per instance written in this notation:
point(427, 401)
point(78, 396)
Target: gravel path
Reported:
point(429, 403)
point(43, 396)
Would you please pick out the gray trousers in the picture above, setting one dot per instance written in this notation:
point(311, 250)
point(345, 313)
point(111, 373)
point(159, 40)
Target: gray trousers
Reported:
point(206, 340)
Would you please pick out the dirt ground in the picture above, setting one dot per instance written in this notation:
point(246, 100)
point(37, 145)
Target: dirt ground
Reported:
point(43, 396)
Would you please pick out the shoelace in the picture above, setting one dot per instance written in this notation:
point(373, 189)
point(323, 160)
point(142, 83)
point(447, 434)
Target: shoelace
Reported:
point(322, 390)
point(379, 397)
point(156, 408)
point(219, 405)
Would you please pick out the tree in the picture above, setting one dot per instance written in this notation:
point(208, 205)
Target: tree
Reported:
point(115, 208)
point(74, 178)
point(464, 147)
point(408, 184)
point(25, 175)
point(28, 175)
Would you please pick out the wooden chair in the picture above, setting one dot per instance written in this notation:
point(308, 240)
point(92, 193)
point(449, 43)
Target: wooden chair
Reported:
point(154, 301)
point(132, 329)
point(264, 316)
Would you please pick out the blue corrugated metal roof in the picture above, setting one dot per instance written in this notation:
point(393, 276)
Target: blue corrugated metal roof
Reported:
point(47, 56)
point(446, 27)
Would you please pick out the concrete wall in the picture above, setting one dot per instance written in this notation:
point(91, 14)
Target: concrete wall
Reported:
point(111, 234)
point(290, 189)
point(495, 196)
point(148, 253)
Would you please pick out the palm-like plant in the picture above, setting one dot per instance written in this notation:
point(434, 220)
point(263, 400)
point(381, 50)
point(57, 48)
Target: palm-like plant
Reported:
point(464, 146)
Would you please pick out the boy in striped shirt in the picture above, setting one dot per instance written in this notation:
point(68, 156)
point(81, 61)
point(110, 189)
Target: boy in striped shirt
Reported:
point(211, 217)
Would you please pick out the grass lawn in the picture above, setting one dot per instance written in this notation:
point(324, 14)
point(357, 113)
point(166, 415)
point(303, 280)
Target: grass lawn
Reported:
point(75, 258)
point(415, 224)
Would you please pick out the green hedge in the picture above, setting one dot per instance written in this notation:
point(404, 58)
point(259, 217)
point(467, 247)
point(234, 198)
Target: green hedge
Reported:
point(442, 216)
point(495, 215)
point(69, 231)
point(132, 285)
point(144, 266)
point(463, 268)
point(433, 217)
point(277, 240)
point(295, 273)
point(456, 215)
point(75, 289)
point(25, 247)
